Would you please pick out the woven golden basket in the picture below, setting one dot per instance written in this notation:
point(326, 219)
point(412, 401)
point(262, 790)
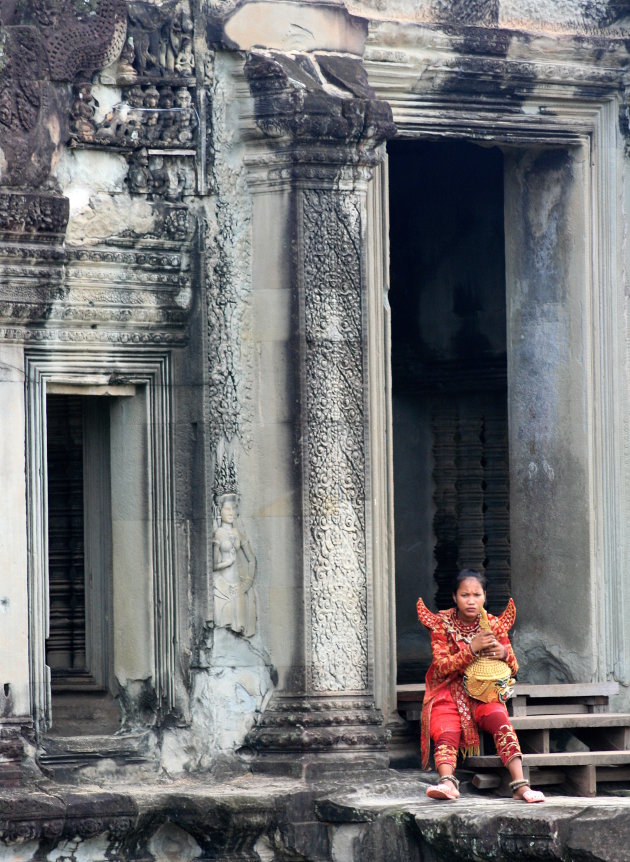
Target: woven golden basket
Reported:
point(488, 679)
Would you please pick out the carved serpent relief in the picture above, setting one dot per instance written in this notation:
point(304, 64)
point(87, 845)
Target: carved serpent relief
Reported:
point(80, 40)
point(335, 446)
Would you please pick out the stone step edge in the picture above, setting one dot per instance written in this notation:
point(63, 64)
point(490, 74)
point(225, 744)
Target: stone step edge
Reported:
point(563, 758)
point(568, 720)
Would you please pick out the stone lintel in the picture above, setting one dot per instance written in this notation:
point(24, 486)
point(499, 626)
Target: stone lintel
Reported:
point(293, 26)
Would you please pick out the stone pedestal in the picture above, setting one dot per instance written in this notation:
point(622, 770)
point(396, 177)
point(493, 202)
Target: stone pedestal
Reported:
point(310, 154)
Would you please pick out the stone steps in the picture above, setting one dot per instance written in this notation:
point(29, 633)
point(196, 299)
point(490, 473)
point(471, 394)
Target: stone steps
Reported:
point(566, 732)
point(84, 713)
point(549, 719)
point(558, 758)
point(580, 770)
point(606, 731)
point(570, 720)
point(65, 756)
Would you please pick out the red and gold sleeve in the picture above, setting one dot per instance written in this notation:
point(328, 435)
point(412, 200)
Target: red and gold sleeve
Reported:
point(446, 662)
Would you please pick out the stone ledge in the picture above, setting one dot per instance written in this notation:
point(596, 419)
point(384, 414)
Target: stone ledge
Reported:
point(250, 816)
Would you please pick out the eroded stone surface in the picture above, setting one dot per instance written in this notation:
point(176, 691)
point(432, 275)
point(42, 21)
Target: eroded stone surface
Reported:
point(295, 27)
point(274, 820)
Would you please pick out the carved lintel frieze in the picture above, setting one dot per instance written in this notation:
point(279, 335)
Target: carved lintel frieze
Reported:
point(33, 213)
point(162, 175)
point(158, 116)
point(159, 43)
point(45, 284)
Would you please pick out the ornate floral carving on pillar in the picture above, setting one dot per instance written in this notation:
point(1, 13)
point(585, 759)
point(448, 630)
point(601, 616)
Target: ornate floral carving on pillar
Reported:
point(334, 448)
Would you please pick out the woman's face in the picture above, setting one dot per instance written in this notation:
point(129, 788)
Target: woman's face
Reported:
point(469, 599)
point(227, 513)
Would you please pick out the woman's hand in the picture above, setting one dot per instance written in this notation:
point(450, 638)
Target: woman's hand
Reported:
point(487, 645)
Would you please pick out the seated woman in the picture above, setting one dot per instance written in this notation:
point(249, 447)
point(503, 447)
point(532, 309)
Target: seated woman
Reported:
point(450, 717)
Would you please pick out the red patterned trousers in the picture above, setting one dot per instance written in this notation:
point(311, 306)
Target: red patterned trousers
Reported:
point(489, 717)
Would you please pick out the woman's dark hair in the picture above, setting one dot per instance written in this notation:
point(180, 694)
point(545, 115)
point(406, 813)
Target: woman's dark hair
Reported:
point(469, 573)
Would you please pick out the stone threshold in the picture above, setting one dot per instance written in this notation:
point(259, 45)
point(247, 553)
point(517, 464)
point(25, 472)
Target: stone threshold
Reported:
point(261, 818)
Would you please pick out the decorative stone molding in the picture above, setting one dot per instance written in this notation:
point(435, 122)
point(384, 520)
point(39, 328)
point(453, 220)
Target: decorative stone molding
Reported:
point(147, 285)
point(294, 100)
point(48, 818)
point(349, 722)
point(103, 336)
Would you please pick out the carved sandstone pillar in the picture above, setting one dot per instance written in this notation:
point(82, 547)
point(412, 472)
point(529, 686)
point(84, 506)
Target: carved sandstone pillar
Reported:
point(311, 147)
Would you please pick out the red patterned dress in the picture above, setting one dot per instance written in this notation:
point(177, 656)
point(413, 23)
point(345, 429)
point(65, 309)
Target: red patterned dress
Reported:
point(450, 717)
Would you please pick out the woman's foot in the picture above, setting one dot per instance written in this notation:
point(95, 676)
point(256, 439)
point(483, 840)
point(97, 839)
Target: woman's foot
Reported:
point(446, 788)
point(526, 794)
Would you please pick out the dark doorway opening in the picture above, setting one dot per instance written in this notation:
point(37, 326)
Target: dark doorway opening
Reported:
point(449, 379)
point(79, 644)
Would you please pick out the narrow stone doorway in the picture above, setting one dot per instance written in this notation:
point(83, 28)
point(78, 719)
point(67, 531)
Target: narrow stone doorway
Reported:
point(79, 643)
point(449, 378)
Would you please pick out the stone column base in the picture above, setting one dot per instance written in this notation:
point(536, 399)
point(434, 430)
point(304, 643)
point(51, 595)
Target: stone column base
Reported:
point(309, 738)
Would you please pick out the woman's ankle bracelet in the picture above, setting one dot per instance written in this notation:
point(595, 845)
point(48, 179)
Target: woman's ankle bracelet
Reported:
point(518, 783)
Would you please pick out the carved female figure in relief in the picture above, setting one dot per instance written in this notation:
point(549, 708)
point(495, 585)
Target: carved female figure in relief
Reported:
point(234, 569)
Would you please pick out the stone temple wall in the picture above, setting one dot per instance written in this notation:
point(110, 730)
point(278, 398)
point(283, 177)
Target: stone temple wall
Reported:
point(193, 247)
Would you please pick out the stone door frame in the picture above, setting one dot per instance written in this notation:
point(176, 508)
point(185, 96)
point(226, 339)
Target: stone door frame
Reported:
point(151, 371)
point(559, 119)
